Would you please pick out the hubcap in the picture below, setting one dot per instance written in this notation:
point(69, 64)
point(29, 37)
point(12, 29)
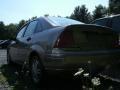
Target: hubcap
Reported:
point(36, 70)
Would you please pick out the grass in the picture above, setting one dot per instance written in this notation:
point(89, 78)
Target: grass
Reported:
point(11, 78)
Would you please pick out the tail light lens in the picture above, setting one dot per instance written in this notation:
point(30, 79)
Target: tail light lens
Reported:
point(65, 40)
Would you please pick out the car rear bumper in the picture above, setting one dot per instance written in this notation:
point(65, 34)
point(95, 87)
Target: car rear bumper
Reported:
point(90, 60)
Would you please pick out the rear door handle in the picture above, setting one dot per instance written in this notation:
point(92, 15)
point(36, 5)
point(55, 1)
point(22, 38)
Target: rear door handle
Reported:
point(29, 38)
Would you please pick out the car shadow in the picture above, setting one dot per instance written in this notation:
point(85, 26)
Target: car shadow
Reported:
point(18, 81)
point(15, 78)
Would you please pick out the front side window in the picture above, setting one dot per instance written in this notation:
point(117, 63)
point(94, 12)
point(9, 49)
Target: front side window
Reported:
point(20, 34)
point(31, 28)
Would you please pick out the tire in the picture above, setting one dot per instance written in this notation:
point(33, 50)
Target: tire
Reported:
point(36, 70)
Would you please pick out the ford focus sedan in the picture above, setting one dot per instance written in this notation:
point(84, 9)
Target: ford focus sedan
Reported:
point(61, 44)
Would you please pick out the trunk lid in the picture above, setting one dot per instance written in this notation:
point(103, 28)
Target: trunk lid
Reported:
point(87, 38)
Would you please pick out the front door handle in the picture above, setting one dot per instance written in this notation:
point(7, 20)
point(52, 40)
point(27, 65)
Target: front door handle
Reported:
point(29, 38)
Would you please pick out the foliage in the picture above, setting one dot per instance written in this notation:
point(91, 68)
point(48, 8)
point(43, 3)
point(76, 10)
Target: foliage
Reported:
point(46, 15)
point(2, 29)
point(21, 23)
point(81, 14)
point(99, 12)
point(10, 31)
point(114, 6)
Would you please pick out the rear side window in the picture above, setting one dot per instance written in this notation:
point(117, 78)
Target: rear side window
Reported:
point(31, 28)
point(45, 24)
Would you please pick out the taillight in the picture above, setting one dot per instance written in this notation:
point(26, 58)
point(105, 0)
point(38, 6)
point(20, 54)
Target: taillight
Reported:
point(65, 40)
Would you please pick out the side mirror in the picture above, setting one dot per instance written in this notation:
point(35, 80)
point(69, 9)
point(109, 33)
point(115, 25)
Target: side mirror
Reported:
point(13, 42)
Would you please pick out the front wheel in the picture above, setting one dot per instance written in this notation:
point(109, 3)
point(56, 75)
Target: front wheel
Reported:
point(36, 70)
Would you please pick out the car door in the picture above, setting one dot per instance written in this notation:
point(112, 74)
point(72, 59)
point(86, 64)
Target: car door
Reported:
point(23, 43)
point(24, 47)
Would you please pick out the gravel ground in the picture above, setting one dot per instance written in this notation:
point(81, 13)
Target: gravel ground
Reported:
point(3, 58)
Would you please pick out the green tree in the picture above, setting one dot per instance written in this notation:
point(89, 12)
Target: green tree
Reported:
point(114, 6)
point(21, 23)
point(81, 14)
point(1, 25)
point(33, 18)
point(2, 30)
point(99, 12)
point(7, 31)
point(11, 31)
point(46, 15)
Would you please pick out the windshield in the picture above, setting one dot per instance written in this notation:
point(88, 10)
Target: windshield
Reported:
point(59, 21)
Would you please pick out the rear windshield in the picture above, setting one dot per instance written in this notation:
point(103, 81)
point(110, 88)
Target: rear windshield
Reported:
point(59, 21)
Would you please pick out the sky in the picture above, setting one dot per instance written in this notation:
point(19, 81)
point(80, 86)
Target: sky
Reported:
point(12, 11)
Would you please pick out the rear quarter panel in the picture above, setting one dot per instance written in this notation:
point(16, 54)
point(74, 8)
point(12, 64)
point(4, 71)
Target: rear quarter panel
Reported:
point(43, 42)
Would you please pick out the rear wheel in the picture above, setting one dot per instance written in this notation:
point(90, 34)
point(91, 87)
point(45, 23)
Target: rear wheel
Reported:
point(36, 69)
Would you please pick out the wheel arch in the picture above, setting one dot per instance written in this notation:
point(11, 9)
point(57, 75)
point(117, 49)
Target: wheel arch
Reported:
point(32, 53)
point(35, 53)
